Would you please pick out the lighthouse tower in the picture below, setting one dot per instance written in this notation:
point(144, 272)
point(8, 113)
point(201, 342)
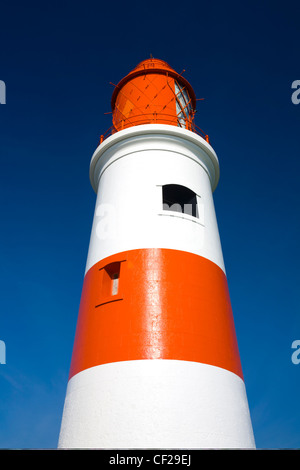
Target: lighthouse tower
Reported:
point(155, 362)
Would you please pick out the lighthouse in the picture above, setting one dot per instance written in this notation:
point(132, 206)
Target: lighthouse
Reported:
point(155, 362)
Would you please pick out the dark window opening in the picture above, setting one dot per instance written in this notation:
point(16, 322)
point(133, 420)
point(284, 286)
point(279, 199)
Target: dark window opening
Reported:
point(178, 198)
point(110, 285)
point(110, 282)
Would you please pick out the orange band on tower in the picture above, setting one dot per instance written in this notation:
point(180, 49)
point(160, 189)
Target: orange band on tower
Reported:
point(155, 304)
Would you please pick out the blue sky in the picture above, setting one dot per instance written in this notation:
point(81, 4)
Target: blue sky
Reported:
point(57, 61)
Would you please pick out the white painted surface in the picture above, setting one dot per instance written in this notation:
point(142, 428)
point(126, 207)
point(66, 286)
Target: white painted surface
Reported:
point(156, 404)
point(128, 171)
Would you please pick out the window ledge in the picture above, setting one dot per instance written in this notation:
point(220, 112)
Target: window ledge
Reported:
point(181, 215)
point(109, 300)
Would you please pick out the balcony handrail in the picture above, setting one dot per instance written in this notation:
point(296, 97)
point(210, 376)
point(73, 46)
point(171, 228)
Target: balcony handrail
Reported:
point(154, 118)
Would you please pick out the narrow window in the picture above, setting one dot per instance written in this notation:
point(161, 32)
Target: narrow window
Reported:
point(115, 284)
point(110, 280)
point(110, 286)
point(178, 198)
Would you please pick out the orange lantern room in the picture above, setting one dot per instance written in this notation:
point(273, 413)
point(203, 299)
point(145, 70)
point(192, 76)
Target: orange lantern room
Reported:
point(153, 93)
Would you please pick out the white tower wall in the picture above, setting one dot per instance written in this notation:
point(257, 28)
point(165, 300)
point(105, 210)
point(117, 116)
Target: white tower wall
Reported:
point(154, 403)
